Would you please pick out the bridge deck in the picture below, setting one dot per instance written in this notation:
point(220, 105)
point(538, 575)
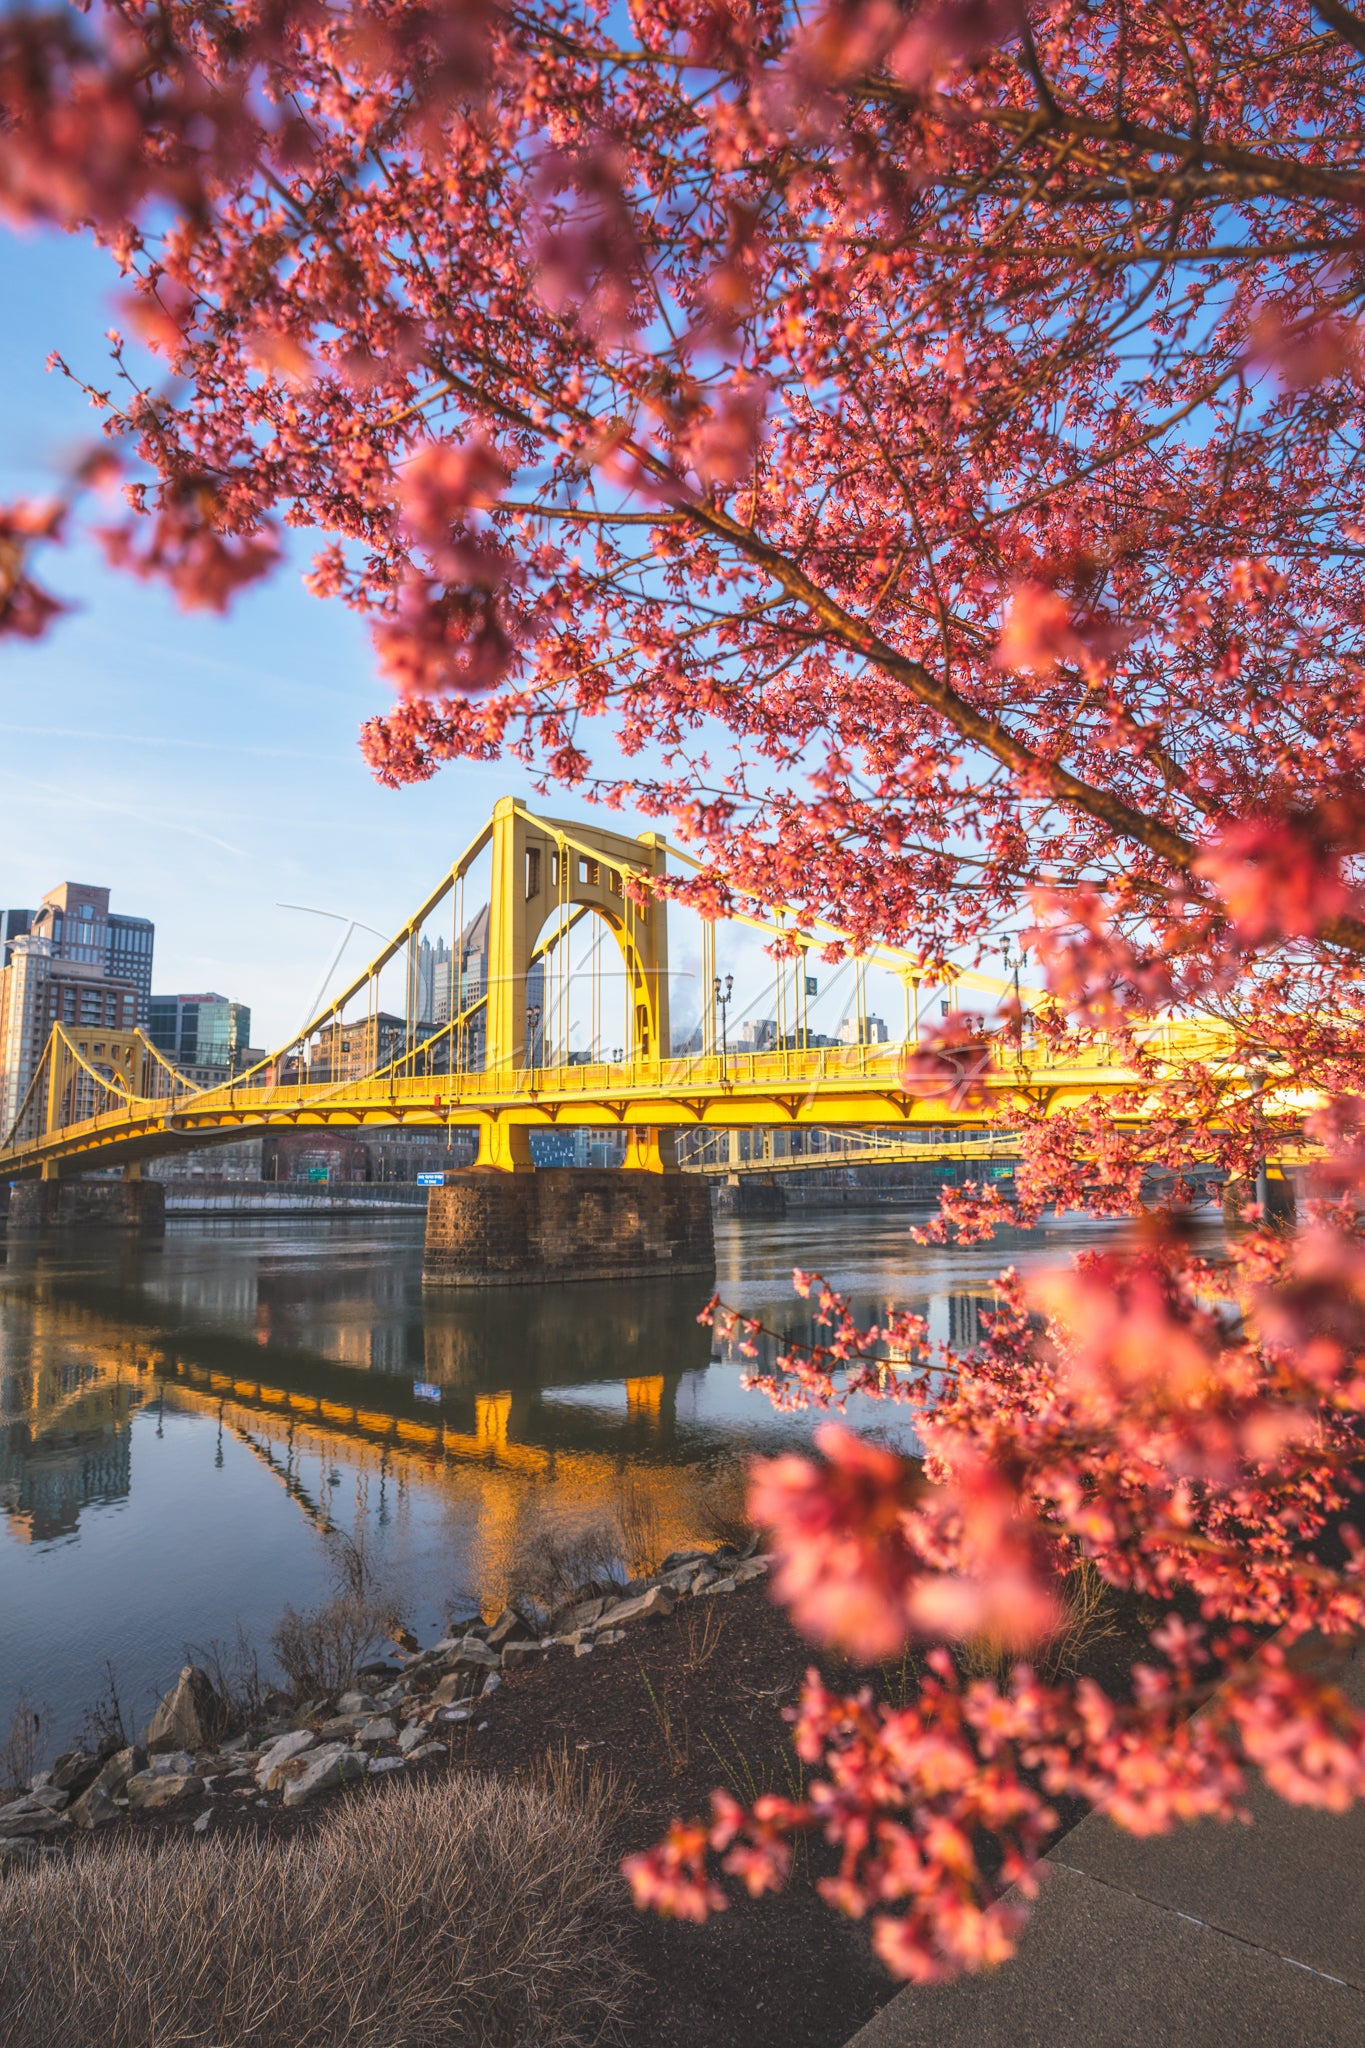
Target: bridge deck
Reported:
point(846, 1085)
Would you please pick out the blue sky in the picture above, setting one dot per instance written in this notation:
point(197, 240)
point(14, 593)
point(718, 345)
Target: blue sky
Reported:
point(204, 769)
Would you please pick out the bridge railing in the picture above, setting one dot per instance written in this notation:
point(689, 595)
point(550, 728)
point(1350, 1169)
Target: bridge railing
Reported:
point(788, 1069)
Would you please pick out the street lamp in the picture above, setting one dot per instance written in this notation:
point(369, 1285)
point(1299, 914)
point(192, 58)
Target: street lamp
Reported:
point(722, 1000)
point(1006, 948)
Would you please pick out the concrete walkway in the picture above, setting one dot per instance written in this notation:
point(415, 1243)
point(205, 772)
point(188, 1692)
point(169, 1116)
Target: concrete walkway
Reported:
point(1213, 1937)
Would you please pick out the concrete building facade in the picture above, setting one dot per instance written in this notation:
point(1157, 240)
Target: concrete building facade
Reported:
point(71, 961)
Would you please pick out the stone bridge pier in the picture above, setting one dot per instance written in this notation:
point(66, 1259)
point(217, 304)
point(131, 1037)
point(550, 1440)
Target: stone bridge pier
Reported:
point(131, 1205)
point(512, 1224)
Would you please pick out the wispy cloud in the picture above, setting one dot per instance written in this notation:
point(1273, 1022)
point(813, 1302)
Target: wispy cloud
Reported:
point(159, 739)
point(68, 795)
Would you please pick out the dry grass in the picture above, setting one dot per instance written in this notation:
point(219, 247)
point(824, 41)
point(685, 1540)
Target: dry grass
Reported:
point(471, 1912)
point(1088, 1619)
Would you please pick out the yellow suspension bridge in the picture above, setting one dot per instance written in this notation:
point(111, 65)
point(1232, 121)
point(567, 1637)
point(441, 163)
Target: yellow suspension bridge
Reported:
point(498, 1059)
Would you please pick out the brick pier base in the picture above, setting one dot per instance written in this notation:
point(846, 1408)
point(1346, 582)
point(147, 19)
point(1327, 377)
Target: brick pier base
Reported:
point(490, 1229)
point(87, 1205)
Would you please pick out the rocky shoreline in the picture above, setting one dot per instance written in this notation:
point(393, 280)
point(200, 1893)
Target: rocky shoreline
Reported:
point(396, 1713)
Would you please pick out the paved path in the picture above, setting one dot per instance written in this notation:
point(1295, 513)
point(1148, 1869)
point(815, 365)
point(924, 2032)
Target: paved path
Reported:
point(1213, 1937)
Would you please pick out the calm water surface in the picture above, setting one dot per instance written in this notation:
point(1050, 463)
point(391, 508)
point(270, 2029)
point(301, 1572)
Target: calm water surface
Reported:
point(182, 1422)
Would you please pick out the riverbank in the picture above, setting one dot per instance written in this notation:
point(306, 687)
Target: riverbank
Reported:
point(673, 1684)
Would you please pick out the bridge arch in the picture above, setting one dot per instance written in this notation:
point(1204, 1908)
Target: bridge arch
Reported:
point(543, 869)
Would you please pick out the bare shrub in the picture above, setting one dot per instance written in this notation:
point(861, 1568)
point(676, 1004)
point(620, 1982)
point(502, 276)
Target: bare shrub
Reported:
point(721, 1495)
point(551, 1567)
point(637, 1515)
point(102, 1724)
point(321, 1649)
point(472, 1910)
point(1088, 1619)
point(24, 1746)
point(234, 1672)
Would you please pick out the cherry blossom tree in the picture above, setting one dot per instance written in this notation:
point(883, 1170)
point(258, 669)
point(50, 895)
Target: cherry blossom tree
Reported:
point(923, 440)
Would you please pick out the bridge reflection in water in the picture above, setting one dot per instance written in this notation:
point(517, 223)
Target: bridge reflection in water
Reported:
point(180, 1425)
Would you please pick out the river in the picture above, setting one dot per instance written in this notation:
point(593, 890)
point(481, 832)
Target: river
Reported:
point(182, 1422)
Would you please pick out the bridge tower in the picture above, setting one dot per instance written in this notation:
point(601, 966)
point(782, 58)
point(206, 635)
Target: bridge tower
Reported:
point(541, 867)
point(502, 1222)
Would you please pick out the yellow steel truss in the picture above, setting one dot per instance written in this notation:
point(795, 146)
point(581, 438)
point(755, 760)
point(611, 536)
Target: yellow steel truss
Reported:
point(546, 876)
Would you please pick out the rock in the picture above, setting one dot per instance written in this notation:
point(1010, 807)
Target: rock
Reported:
point(751, 1568)
point(18, 1847)
point(379, 1764)
point(151, 1791)
point(412, 1738)
point(235, 1744)
point(174, 1763)
point(582, 1649)
point(185, 1719)
point(270, 1774)
point(456, 1687)
point(202, 1820)
point(427, 1749)
point(328, 1766)
point(676, 1558)
point(612, 1635)
point(586, 1613)
point(95, 1808)
point(492, 1682)
point(509, 1627)
point(470, 1652)
point(34, 1814)
point(354, 1703)
point(380, 1670)
point(681, 1577)
point(39, 1781)
point(718, 1586)
point(341, 1725)
point(658, 1601)
point(119, 1768)
point(382, 1730)
point(520, 1653)
point(51, 1798)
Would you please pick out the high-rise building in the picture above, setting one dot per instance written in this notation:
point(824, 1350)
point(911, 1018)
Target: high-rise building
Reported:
point(23, 1021)
point(204, 1035)
point(130, 958)
point(68, 962)
point(14, 924)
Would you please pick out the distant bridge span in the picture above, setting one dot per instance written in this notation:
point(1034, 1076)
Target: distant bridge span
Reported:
point(98, 1100)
